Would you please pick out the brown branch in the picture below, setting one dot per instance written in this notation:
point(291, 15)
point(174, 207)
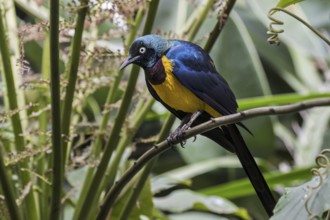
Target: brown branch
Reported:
point(209, 125)
point(251, 113)
point(225, 9)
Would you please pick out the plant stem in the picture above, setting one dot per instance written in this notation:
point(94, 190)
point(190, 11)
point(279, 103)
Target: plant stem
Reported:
point(92, 194)
point(138, 165)
point(199, 20)
point(131, 201)
point(71, 74)
point(137, 189)
point(114, 89)
point(153, 6)
point(222, 18)
point(30, 203)
point(8, 191)
point(135, 27)
point(58, 160)
point(138, 117)
point(44, 162)
point(96, 147)
point(16, 54)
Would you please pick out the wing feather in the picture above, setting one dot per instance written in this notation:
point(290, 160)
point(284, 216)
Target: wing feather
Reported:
point(194, 68)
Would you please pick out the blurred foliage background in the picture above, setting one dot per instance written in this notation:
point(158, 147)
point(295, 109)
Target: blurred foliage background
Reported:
point(112, 114)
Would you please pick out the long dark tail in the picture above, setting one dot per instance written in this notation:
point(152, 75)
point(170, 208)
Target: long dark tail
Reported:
point(231, 139)
point(251, 168)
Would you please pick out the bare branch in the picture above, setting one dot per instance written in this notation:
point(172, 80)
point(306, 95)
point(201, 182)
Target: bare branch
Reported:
point(209, 125)
point(251, 113)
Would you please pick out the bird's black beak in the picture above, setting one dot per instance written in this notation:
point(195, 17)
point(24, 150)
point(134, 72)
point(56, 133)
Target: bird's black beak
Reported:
point(128, 61)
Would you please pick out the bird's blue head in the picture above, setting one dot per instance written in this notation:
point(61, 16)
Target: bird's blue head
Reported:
point(146, 51)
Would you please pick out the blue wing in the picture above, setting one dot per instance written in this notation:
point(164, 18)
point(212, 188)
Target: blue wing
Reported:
point(194, 68)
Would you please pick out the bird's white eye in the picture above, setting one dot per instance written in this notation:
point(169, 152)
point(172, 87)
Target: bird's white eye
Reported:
point(142, 50)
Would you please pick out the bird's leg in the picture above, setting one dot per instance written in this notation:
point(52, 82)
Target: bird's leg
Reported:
point(185, 124)
point(173, 135)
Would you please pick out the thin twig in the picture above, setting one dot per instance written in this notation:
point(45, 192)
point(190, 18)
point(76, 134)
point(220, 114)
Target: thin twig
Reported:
point(226, 8)
point(209, 125)
point(251, 113)
point(200, 19)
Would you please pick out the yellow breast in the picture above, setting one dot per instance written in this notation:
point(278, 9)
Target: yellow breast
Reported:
point(177, 96)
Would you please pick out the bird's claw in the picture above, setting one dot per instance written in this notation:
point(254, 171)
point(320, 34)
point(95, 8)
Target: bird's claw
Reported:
point(177, 135)
point(170, 139)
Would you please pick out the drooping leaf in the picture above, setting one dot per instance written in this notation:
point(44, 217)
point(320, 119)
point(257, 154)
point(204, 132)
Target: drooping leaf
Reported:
point(310, 140)
point(183, 200)
point(301, 202)
point(243, 187)
point(75, 179)
point(183, 175)
point(192, 152)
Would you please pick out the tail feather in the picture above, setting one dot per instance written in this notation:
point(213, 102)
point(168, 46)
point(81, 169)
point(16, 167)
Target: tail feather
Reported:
point(251, 169)
point(230, 138)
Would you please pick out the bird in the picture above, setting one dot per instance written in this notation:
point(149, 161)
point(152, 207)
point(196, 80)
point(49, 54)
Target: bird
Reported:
point(182, 76)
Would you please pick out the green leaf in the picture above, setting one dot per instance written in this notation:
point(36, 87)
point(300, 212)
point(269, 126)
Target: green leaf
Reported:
point(313, 195)
point(74, 179)
point(306, 70)
point(192, 151)
point(286, 3)
point(243, 187)
point(183, 175)
point(311, 138)
point(143, 208)
point(196, 216)
point(282, 99)
point(183, 200)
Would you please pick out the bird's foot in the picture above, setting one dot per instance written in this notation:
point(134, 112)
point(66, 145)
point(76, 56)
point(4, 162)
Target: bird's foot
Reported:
point(177, 135)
